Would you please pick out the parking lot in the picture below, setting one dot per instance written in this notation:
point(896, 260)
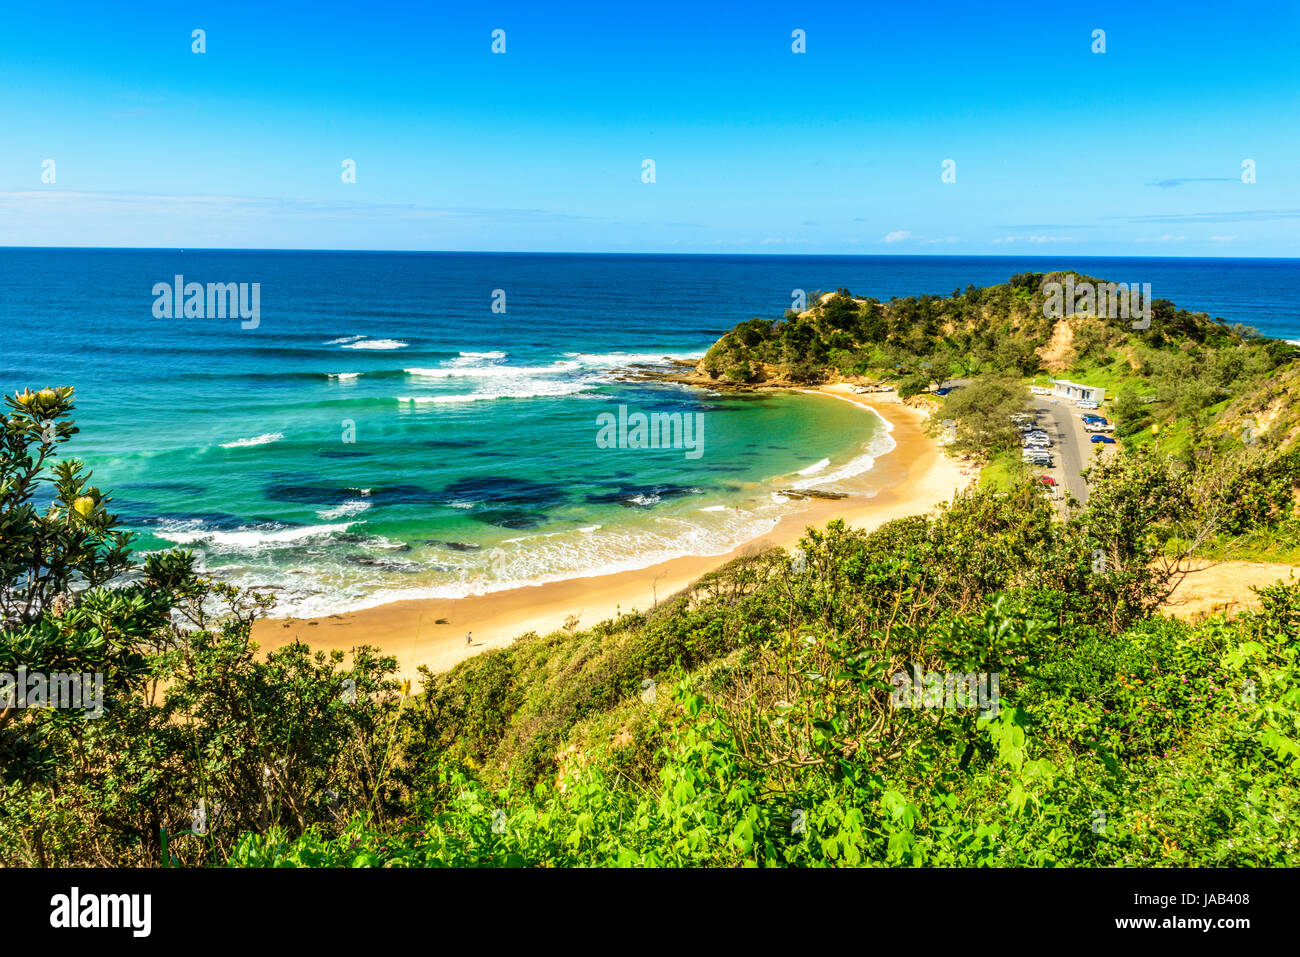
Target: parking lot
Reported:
point(1072, 446)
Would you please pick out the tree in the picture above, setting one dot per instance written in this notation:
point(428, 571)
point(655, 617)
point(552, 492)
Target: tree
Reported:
point(982, 414)
point(182, 717)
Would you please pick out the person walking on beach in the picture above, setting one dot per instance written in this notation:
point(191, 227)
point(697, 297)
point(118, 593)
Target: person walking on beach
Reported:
point(469, 639)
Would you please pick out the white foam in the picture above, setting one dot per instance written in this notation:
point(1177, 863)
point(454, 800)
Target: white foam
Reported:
point(533, 391)
point(342, 339)
point(350, 507)
point(249, 538)
point(814, 468)
point(377, 344)
point(264, 439)
point(881, 444)
point(538, 560)
point(613, 359)
point(344, 376)
point(489, 372)
point(854, 466)
point(483, 355)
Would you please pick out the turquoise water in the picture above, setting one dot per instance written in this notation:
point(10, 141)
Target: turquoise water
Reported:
point(381, 432)
point(446, 498)
point(367, 441)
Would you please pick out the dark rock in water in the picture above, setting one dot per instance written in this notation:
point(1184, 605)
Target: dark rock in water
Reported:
point(507, 491)
point(402, 495)
point(458, 546)
point(451, 443)
point(370, 561)
point(644, 496)
point(803, 493)
point(308, 494)
point(525, 522)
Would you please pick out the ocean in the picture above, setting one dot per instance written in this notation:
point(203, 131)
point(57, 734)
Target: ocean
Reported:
point(401, 425)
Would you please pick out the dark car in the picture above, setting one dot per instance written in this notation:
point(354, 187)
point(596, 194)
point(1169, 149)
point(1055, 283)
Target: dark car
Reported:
point(1103, 439)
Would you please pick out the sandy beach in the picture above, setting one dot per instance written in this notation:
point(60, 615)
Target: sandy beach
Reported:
point(909, 480)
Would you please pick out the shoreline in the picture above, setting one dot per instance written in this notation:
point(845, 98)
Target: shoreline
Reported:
point(910, 479)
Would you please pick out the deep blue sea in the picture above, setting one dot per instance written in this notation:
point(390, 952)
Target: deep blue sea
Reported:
point(385, 432)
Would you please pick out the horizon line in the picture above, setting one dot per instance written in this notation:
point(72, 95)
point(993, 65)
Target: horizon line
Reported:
point(751, 255)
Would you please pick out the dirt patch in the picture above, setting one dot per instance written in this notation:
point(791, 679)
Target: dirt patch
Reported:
point(1225, 586)
point(1057, 349)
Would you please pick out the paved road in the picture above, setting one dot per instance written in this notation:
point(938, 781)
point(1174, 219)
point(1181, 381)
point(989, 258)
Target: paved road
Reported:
point(1072, 446)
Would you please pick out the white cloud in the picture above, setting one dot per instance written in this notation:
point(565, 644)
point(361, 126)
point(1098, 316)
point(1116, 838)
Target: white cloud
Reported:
point(1037, 239)
point(898, 235)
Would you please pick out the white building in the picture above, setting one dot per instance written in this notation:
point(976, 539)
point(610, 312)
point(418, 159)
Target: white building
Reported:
point(1065, 389)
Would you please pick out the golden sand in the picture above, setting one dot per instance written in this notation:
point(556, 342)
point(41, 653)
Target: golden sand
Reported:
point(909, 480)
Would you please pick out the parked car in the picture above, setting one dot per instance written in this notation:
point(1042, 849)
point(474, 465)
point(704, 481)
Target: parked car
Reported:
point(1047, 480)
point(944, 391)
point(1042, 460)
point(1103, 439)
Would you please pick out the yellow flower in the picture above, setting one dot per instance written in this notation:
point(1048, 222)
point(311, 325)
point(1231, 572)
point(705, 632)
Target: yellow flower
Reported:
point(84, 506)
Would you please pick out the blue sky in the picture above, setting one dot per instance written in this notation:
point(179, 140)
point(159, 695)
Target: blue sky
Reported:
point(1136, 151)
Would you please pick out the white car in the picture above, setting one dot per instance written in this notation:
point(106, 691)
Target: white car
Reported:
point(1086, 404)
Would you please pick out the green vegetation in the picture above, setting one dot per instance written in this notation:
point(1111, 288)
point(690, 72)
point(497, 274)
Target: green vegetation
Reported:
point(751, 720)
point(1201, 382)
